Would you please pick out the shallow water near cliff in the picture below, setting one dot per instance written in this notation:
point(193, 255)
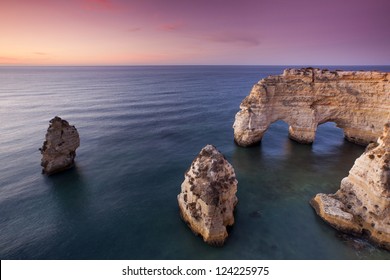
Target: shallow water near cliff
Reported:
point(140, 129)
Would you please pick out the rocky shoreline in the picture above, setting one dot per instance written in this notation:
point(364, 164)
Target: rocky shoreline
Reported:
point(362, 204)
point(359, 103)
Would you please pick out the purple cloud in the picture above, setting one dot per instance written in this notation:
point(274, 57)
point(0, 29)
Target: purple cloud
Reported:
point(134, 29)
point(98, 4)
point(170, 26)
point(241, 39)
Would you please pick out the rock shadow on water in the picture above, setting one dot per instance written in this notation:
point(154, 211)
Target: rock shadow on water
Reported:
point(361, 246)
point(354, 246)
point(68, 188)
point(356, 243)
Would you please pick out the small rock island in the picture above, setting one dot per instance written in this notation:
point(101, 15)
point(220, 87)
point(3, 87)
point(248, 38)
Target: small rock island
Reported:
point(362, 204)
point(357, 101)
point(59, 149)
point(208, 196)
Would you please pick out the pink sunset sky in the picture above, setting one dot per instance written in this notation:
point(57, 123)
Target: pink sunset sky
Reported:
point(177, 32)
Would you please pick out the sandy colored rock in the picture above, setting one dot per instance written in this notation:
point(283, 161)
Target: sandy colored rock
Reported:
point(59, 149)
point(362, 204)
point(357, 101)
point(208, 196)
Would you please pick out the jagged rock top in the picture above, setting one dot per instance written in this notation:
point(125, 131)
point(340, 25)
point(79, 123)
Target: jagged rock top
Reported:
point(59, 149)
point(329, 75)
point(208, 195)
point(212, 169)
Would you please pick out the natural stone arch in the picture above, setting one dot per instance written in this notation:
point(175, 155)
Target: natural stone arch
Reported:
point(357, 101)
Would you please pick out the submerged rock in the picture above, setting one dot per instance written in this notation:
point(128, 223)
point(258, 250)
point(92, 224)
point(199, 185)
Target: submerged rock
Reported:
point(59, 149)
point(357, 101)
point(362, 204)
point(208, 196)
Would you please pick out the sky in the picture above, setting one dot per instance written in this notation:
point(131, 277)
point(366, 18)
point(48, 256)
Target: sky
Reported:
point(194, 32)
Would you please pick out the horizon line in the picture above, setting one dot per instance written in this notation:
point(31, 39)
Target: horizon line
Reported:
point(184, 65)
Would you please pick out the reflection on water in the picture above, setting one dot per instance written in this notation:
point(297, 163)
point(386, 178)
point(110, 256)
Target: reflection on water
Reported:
point(279, 177)
point(68, 189)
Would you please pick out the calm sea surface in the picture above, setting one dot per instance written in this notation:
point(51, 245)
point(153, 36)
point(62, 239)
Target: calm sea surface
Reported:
point(140, 129)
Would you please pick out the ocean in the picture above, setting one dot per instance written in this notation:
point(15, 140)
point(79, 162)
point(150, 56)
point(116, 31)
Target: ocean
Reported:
point(140, 129)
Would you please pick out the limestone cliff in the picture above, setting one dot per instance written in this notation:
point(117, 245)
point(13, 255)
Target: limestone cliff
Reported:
point(208, 196)
point(59, 149)
point(357, 101)
point(362, 204)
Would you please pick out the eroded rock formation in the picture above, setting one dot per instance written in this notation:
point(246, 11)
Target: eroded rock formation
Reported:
point(208, 196)
point(357, 101)
point(59, 149)
point(362, 204)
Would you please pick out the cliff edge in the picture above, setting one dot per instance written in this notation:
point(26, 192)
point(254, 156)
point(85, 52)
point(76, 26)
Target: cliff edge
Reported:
point(357, 101)
point(362, 204)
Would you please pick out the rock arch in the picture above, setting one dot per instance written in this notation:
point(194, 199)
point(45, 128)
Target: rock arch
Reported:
point(357, 101)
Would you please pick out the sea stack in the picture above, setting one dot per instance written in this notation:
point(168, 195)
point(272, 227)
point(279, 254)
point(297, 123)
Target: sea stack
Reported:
point(208, 196)
point(362, 204)
point(357, 101)
point(59, 149)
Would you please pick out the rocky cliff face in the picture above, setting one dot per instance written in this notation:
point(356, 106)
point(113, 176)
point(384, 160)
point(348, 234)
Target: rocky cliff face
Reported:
point(357, 101)
point(208, 196)
point(59, 149)
point(362, 204)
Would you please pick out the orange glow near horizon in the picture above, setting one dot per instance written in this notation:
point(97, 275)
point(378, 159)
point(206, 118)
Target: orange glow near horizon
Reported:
point(118, 32)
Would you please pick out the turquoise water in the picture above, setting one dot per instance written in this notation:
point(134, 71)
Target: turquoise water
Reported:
point(140, 129)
